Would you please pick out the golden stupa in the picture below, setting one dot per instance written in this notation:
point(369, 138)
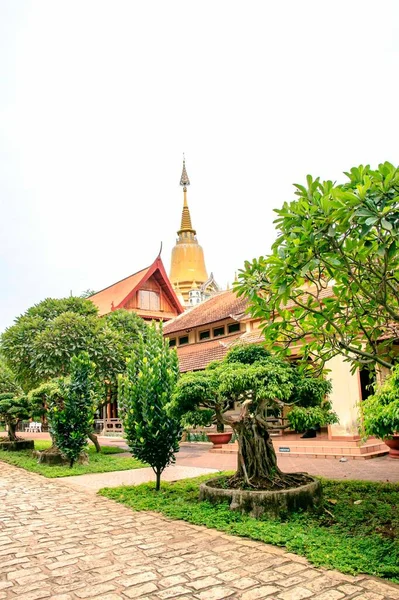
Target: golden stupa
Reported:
point(187, 269)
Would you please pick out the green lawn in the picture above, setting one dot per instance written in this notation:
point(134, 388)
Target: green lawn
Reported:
point(356, 529)
point(107, 460)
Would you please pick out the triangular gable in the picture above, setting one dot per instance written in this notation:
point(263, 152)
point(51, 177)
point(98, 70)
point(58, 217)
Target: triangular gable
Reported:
point(157, 270)
point(118, 295)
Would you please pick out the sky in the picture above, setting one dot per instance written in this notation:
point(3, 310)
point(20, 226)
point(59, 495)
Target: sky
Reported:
point(100, 98)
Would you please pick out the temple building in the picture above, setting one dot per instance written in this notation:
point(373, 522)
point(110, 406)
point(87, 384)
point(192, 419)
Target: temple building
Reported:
point(188, 274)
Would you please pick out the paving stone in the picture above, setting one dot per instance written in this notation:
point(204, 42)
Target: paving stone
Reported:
point(382, 588)
point(298, 593)
point(173, 592)
point(139, 591)
point(202, 572)
point(348, 589)
point(369, 596)
point(330, 595)
point(200, 584)
point(172, 580)
point(320, 584)
point(215, 594)
point(244, 583)
point(135, 579)
point(261, 592)
point(95, 590)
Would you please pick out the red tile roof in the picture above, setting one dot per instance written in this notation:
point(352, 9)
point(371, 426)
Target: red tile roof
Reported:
point(194, 357)
point(219, 306)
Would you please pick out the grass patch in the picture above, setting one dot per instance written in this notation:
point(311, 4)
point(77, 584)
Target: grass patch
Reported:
point(107, 460)
point(341, 534)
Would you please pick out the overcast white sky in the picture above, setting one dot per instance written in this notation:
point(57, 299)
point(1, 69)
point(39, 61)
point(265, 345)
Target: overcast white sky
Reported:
point(100, 98)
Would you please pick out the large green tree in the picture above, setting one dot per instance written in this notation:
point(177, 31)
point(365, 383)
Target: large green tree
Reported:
point(331, 284)
point(144, 394)
point(41, 343)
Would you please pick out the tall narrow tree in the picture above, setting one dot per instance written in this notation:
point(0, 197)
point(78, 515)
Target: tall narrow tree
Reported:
point(144, 395)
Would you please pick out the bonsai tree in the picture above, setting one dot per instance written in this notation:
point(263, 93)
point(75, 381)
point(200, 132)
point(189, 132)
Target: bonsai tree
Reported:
point(13, 409)
point(145, 392)
point(381, 411)
point(71, 410)
point(262, 384)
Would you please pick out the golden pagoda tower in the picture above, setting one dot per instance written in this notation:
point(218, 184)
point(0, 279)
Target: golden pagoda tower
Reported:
point(187, 269)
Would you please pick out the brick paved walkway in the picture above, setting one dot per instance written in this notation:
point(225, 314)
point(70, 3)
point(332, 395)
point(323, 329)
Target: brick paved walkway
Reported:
point(64, 544)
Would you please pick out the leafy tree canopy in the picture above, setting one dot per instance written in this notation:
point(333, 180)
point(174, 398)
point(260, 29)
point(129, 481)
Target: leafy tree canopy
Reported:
point(144, 395)
point(12, 410)
point(41, 343)
point(8, 382)
point(247, 372)
point(71, 410)
point(331, 284)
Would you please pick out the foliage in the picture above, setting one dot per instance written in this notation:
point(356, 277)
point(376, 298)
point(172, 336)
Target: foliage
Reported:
point(381, 411)
point(12, 410)
point(109, 460)
point(144, 393)
point(331, 283)
point(354, 538)
point(41, 343)
point(301, 419)
point(87, 293)
point(8, 382)
point(246, 354)
point(71, 416)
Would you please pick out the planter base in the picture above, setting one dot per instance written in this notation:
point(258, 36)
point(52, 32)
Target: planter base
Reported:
point(393, 445)
point(258, 503)
point(53, 456)
point(219, 439)
point(18, 445)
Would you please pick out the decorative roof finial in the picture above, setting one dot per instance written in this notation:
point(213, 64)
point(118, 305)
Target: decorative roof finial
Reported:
point(184, 180)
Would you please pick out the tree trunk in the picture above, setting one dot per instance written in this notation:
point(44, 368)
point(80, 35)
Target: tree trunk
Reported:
point(12, 428)
point(158, 480)
point(93, 438)
point(219, 420)
point(257, 462)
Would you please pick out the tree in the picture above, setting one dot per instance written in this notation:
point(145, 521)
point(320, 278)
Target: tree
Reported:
point(144, 394)
point(71, 414)
point(8, 382)
point(41, 343)
point(12, 410)
point(262, 384)
point(331, 284)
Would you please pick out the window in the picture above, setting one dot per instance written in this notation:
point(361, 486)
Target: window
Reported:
point(172, 342)
point(233, 327)
point(149, 300)
point(218, 331)
point(183, 340)
point(205, 335)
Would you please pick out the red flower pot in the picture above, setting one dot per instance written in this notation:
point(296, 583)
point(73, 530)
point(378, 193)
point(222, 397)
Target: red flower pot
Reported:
point(218, 439)
point(393, 445)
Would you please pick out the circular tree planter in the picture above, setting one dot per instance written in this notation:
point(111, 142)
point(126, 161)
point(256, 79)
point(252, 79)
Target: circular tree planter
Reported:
point(257, 503)
point(52, 456)
point(393, 445)
point(17, 445)
point(218, 439)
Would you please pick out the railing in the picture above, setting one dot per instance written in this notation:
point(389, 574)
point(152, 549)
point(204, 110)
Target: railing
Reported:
point(105, 426)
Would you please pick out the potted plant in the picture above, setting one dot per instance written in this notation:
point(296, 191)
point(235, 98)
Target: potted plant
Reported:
point(381, 413)
point(303, 419)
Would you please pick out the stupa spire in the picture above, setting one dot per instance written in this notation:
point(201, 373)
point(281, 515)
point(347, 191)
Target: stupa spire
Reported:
point(185, 225)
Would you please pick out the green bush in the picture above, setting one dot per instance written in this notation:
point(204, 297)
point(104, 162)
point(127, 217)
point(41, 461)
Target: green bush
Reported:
point(381, 411)
point(301, 419)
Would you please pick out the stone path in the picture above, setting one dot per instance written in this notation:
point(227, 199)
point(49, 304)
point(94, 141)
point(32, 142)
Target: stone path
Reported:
point(60, 543)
